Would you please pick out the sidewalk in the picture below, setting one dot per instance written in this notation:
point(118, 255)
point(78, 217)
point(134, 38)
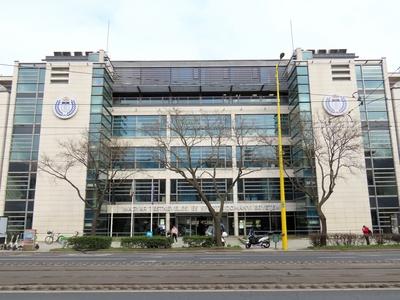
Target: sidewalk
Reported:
point(294, 244)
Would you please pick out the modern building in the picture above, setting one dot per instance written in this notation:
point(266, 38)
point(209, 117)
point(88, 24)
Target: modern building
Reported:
point(123, 99)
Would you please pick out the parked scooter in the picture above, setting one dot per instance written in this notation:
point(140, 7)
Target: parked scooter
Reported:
point(253, 240)
point(14, 243)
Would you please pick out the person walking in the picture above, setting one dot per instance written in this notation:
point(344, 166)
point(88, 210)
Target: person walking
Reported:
point(174, 233)
point(366, 232)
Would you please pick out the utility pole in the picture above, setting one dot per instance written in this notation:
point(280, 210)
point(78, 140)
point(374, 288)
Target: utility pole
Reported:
point(280, 156)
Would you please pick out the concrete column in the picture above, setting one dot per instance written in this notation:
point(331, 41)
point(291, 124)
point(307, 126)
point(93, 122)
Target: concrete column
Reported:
point(236, 223)
point(167, 191)
point(167, 222)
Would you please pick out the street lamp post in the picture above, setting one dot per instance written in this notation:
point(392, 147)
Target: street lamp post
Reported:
point(280, 157)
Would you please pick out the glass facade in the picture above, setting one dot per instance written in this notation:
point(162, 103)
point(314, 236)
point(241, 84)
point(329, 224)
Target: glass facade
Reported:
point(122, 190)
point(139, 158)
point(200, 125)
point(262, 125)
point(100, 133)
point(139, 126)
point(379, 161)
point(182, 191)
point(22, 169)
point(265, 189)
point(202, 157)
point(300, 131)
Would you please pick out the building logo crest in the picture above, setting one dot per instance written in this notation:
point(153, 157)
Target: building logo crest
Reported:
point(336, 105)
point(65, 108)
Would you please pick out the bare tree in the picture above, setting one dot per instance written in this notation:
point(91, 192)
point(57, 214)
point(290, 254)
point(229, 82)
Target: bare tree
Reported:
point(214, 134)
point(97, 159)
point(329, 147)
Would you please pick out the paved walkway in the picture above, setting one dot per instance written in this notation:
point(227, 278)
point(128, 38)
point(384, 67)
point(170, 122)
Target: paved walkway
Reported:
point(293, 244)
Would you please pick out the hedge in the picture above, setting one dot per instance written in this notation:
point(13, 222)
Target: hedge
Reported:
point(350, 239)
point(90, 242)
point(146, 242)
point(198, 241)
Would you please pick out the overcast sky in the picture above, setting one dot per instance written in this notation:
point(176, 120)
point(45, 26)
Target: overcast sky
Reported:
point(197, 29)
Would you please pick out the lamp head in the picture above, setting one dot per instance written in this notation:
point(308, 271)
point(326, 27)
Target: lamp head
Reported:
point(281, 55)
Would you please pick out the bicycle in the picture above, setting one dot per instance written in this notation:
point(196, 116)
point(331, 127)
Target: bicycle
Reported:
point(58, 238)
point(54, 237)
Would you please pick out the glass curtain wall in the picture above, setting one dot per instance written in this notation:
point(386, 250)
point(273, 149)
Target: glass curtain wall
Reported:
point(379, 161)
point(21, 177)
point(300, 119)
point(99, 133)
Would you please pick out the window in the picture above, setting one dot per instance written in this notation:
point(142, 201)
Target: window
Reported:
point(182, 191)
point(200, 125)
point(139, 126)
point(264, 125)
point(202, 157)
point(145, 190)
point(139, 158)
point(256, 156)
point(263, 189)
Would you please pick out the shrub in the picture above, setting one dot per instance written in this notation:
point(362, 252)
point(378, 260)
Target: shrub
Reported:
point(146, 242)
point(198, 241)
point(89, 242)
point(343, 239)
point(395, 238)
point(316, 239)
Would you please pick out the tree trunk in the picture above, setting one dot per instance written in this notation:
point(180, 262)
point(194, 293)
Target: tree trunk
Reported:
point(324, 229)
point(96, 214)
point(217, 230)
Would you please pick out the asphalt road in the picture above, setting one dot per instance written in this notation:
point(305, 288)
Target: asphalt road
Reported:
point(222, 295)
point(200, 270)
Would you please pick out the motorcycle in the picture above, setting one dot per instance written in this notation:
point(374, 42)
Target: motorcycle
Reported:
point(262, 241)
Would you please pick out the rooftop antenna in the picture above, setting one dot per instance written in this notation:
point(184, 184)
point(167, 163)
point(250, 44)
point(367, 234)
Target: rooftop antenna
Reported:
point(108, 33)
point(291, 34)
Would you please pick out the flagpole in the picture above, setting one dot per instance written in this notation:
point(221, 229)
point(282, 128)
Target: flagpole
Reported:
point(133, 188)
point(151, 206)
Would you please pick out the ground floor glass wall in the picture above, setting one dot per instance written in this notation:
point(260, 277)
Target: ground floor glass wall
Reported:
point(197, 224)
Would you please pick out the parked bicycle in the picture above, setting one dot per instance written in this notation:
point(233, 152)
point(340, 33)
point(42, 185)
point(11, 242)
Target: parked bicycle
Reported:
point(53, 237)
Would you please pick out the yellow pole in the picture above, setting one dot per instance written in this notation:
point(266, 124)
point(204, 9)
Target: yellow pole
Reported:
point(281, 172)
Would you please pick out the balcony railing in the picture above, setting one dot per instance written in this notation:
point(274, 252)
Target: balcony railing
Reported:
point(197, 101)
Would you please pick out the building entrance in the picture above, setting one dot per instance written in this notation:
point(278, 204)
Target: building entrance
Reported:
point(196, 224)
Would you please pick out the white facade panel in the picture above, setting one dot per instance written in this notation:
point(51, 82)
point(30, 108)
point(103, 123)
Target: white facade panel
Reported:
point(348, 208)
point(57, 205)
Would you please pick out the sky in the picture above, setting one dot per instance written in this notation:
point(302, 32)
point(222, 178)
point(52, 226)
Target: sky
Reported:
point(197, 29)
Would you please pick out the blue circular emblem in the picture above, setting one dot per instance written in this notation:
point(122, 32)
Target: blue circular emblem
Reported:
point(336, 105)
point(65, 108)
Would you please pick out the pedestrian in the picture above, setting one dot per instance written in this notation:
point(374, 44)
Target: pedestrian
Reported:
point(366, 232)
point(222, 227)
point(174, 233)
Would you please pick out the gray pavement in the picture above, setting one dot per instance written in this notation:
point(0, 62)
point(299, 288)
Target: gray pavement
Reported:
point(220, 295)
point(202, 270)
point(294, 244)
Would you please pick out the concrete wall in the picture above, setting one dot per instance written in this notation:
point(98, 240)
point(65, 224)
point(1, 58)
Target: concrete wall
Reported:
point(348, 208)
point(4, 107)
point(8, 115)
point(57, 206)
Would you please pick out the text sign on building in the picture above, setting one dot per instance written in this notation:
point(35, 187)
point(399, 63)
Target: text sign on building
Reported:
point(181, 208)
point(65, 108)
point(336, 105)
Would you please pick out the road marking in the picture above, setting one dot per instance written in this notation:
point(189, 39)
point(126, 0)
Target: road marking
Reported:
point(220, 257)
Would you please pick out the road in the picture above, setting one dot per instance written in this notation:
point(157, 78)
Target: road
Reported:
point(200, 270)
point(221, 295)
